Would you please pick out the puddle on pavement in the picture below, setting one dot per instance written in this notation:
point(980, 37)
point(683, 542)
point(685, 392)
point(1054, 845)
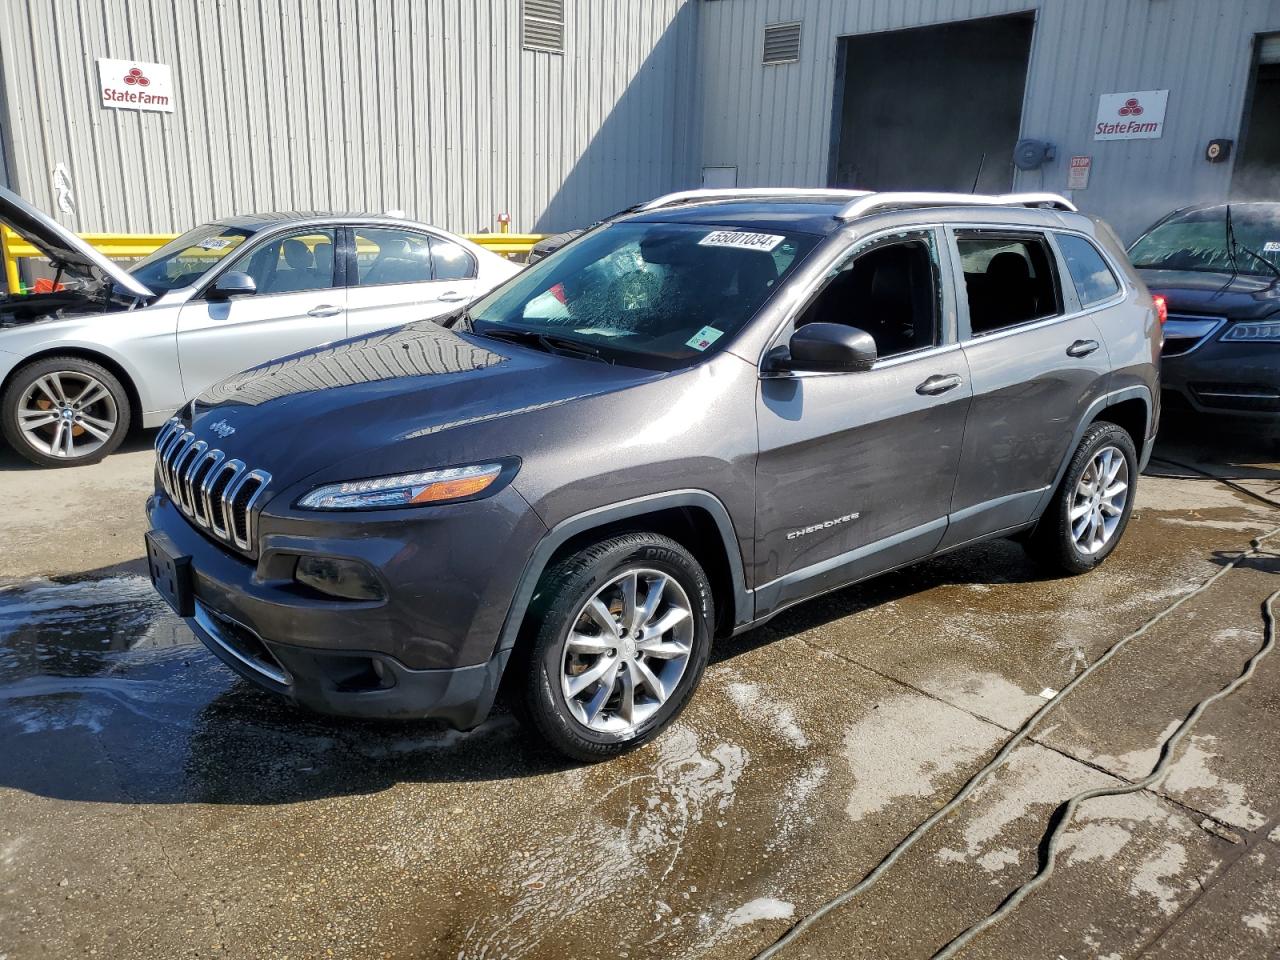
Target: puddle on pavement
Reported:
point(100, 672)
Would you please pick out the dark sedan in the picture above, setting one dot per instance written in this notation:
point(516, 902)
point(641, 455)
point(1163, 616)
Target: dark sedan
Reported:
point(1217, 266)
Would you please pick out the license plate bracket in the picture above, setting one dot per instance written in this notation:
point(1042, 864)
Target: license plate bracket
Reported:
point(171, 573)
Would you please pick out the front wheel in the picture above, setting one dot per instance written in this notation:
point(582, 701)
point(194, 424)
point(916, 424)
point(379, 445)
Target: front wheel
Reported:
point(621, 639)
point(1090, 510)
point(64, 411)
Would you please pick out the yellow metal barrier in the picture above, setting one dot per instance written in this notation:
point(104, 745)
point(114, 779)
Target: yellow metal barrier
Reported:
point(131, 246)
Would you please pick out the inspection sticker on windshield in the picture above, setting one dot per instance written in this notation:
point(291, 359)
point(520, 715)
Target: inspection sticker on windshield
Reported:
point(704, 338)
point(215, 243)
point(741, 240)
point(1271, 246)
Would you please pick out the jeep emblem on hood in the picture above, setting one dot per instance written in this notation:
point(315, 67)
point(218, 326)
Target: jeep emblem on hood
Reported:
point(222, 429)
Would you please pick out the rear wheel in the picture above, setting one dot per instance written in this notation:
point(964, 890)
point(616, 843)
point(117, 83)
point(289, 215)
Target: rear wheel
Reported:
point(64, 411)
point(1090, 510)
point(620, 642)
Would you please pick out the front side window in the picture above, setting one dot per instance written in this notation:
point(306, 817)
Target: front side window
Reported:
point(1093, 278)
point(291, 264)
point(1009, 280)
point(652, 294)
point(391, 256)
point(892, 290)
point(182, 261)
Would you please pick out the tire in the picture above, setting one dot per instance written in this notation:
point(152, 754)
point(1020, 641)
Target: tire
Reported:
point(1064, 544)
point(551, 663)
point(75, 435)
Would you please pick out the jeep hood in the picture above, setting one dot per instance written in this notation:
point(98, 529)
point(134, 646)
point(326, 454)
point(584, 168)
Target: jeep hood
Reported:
point(61, 246)
point(393, 390)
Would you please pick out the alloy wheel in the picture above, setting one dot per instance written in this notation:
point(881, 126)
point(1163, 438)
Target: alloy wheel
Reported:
point(626, 651)
point(1099, 500)
point(67, 414)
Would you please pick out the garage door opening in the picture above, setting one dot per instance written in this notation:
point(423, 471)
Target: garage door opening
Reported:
point(1257, 173)
point(918, 109)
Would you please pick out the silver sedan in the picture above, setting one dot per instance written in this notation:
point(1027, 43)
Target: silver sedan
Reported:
point(96, 348)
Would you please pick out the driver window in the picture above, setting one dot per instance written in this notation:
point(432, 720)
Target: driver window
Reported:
point(892, 290)
point(292, 264)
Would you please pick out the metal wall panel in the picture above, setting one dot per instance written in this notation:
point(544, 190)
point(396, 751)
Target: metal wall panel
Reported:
point(428, 106)
point(774, 122)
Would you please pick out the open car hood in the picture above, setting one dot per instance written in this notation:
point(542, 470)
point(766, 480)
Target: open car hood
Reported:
point(60, 245)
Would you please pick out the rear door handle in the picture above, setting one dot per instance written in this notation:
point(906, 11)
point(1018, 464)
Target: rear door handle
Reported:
point(1082, 348)
point(324, 310)
point(451, 296)
point(939, 384)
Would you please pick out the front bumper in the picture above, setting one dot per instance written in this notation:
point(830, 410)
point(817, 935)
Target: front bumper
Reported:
point(334, 656)
point(1239, 379)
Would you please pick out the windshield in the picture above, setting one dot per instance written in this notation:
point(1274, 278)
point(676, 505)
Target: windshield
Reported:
point(648, 294)
point(181, 262)
point(1197, 240)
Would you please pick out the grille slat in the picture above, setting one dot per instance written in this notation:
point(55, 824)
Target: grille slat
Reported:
point(215, 493)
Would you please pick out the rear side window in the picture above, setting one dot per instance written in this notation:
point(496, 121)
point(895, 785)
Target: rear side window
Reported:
point(1009, 280)
point(452, 262)
point(1089, 271)
point(391, 256)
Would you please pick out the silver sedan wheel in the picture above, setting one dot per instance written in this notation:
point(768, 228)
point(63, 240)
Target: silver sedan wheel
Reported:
point(67, 414)
point(626, 651)
point(1099, 501)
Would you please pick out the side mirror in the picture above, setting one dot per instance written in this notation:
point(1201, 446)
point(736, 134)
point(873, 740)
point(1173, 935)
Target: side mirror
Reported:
point(232, 284)
point(825, 348)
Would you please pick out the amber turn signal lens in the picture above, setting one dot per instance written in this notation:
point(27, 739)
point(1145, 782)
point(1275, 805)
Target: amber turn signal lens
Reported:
point(452, 489)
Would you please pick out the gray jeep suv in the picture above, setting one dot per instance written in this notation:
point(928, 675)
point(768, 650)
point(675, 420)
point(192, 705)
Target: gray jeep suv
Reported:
point(683, 422)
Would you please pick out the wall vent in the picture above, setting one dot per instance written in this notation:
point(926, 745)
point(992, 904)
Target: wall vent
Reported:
point(781, 42)
point(542, 25)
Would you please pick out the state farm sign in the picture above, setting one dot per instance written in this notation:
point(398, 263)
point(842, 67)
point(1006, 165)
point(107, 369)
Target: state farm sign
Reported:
point(1131, 116)
point(132, 85)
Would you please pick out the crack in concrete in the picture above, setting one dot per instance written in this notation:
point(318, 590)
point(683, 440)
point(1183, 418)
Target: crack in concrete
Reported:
point(1187, 808)
point(1238, 852)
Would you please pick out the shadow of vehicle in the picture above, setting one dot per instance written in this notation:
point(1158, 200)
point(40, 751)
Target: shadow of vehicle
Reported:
point(106, 697)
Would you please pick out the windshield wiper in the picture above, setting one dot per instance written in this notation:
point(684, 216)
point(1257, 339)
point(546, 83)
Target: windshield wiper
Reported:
point(1234, 245)
point(550, 343)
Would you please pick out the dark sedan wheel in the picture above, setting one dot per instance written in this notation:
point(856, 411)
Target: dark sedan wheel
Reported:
point(1088, 513)
point(64, 411)
point(621, 640)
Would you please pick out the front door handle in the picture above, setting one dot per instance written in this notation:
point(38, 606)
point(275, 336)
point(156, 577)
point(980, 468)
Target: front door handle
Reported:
point(324, 310)
point(939, 384)
point(1082, 348)
point(451, 296)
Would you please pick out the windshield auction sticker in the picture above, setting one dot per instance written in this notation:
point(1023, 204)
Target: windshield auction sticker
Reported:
point(706, 336)
point(741, 240)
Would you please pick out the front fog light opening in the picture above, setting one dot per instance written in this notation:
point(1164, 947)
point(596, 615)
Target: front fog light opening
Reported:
point(336, 577)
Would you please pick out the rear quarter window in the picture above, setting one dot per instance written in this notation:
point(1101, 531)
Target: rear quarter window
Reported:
point(1093, 279)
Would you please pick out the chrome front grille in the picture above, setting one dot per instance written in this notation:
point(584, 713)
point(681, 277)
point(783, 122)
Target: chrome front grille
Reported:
point(215, 493)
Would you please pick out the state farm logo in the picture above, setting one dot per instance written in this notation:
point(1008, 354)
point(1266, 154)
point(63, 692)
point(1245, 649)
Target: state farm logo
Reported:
point(1131, 108)
point(135, 85)
point(135, 77)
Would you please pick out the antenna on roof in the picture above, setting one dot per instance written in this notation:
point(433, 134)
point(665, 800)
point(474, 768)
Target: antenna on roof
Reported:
point(981, 160)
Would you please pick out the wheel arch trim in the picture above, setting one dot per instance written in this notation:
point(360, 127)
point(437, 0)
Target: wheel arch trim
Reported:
point(1135, 392)
point(562, 532)
point(93, 353)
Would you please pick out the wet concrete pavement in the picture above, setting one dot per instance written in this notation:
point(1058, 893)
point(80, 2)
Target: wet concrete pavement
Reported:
point(151, 805)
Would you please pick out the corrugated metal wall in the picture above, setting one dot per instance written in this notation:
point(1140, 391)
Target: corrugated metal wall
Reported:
point(429, 106)
point(774, 123)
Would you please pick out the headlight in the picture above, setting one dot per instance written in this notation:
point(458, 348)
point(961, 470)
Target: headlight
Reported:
point(406, 489)
point(1253, 331)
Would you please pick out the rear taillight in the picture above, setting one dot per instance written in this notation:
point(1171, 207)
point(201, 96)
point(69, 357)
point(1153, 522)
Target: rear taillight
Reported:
point(1162, 306)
